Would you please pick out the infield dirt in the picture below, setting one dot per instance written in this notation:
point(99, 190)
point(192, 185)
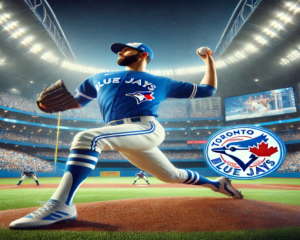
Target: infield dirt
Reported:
point(179, 214)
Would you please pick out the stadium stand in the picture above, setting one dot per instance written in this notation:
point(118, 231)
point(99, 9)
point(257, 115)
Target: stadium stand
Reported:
point(111, 155)
point(15, 161)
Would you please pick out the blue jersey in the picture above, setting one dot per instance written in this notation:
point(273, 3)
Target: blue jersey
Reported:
point(140, 174)
point(29, 174)
point(131, 93)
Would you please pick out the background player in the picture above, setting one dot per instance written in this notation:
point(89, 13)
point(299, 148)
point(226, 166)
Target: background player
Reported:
point(139, 175)
point(128, 101)
point(28, 173)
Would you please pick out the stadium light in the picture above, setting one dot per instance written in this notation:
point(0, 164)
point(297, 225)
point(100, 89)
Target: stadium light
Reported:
point(232, 59)
point(2, 62)
point(31, 81)
point(1, 6)
point(250, 48)
point(269, 32)
point(261, 40)
point(284, 17)
point(4, 18)
point(256, 80)
point(284, 61)
point(239, 55)
point(49, 57)
point(28, 40)
point(11, 26)
point(277, 25)
point(36, 48)
point(220, 64)
point(18, 33)
point(293, 7)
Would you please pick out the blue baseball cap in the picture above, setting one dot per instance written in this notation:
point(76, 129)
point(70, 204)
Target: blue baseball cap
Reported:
point(118, 47)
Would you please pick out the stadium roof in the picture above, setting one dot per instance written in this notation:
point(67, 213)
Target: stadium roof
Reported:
point(31, 40)
point(261, 47)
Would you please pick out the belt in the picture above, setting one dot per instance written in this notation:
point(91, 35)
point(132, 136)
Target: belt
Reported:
point(130, 120)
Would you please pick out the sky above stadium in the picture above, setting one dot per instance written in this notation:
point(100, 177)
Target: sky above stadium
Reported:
point(173, 29)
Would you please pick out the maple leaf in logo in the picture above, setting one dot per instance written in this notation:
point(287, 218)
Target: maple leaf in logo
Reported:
point(263, 150)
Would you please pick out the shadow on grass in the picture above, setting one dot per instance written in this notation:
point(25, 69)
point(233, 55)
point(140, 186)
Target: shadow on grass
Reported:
point(77, 225)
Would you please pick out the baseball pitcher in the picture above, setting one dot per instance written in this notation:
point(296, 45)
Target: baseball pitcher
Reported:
point(128, 101)
point(28, 173)
point(139, 175)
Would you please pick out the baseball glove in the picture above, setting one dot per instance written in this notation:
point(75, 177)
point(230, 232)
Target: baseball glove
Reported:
point(56, 98)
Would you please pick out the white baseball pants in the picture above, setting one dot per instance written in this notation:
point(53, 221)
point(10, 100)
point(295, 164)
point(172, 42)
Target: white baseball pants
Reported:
point(137, 142)
point(24, 177)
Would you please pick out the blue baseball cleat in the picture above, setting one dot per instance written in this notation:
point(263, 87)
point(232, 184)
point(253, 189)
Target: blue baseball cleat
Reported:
point(51, 212)
point(227, 189)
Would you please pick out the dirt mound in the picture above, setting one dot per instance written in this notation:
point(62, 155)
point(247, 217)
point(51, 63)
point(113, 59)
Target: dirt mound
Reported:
point(180, 214)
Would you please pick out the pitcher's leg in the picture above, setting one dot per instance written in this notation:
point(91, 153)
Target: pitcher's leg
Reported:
point(79, 165)
point(157, 164)
point(88, 144)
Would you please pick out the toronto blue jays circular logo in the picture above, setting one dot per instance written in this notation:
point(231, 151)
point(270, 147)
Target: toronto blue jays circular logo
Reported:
point(244, 152)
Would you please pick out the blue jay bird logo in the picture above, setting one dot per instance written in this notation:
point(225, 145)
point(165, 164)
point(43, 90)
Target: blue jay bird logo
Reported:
point(141, 96)
point(238, 150)
point(244, 152)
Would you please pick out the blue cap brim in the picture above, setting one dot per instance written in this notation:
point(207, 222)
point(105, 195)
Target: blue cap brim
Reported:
point(118, 47)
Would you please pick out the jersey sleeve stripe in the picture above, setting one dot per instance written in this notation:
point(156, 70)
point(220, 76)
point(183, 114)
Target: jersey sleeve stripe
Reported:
point(83, 95)
point(194, 91)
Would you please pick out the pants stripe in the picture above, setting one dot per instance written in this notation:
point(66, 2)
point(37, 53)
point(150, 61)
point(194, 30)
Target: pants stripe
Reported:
point(122, 134)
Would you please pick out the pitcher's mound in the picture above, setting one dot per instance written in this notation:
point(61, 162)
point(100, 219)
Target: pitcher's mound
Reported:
point(180, 214)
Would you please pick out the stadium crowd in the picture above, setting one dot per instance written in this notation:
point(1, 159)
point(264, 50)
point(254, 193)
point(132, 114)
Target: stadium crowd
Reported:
point(173, 144)
point(65, 138)
point(113, 155)
point(202, 113)
point(289, 136)
point(23, 104)
point(291, 163)
point(15, 161)
point(25, 137)
point(173, 109)
point(170, 109)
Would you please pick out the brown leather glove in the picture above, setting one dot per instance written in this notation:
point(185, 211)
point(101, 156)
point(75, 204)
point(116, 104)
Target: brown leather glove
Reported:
point(56, 98)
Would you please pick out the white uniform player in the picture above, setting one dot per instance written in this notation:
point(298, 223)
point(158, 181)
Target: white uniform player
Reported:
point(28, 173)
point(128, 101)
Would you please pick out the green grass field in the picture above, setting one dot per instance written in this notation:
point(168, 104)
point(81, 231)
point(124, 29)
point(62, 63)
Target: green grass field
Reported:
point(10, 199)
